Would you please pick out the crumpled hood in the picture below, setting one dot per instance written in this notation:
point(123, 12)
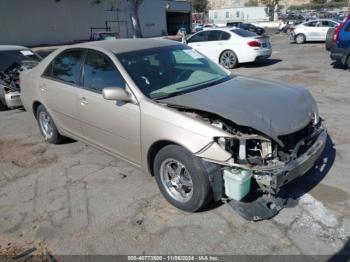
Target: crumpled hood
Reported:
point(272, 108)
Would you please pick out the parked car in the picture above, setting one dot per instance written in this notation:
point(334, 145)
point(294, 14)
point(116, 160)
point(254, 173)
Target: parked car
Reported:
point(162, 106)
point(248, 27)
point(229, 47)
point(104, 35)
point(12, 57)
point(315, 30)
point(197, 28)
point(340, 50)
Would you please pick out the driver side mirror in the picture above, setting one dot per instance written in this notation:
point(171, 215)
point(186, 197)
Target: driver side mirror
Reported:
point(117, 94)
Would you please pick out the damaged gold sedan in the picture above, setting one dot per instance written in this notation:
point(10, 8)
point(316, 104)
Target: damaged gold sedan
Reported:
point(204, 133)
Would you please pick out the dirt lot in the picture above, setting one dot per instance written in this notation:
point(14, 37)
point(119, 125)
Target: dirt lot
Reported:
point(73, 199)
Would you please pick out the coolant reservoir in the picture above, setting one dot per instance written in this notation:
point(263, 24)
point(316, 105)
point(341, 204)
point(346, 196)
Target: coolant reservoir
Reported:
point(237, 183)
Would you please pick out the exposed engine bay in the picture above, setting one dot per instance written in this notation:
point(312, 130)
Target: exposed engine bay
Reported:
point(272, 163)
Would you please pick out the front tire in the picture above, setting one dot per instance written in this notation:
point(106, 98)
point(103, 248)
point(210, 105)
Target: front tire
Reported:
point(228, 59)
point(300, 39)
point(47, 126)
point(182, 178)
point(348, 62)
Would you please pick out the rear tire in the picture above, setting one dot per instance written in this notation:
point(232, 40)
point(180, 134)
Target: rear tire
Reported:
point(228, 59)
point(3, 107)
point(47, 127)
point(300, 39)
point(348, 62)
point(182, 178)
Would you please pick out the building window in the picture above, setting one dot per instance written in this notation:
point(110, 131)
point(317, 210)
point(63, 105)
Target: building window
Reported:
point(215, 15)
point(227, 14)
point(237, 14)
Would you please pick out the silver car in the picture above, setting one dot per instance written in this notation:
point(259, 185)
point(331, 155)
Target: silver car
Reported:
point(204, 133)
point(13, 56)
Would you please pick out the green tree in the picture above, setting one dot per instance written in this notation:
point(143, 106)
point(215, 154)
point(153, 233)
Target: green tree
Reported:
point(318, 1)
point(200, 6)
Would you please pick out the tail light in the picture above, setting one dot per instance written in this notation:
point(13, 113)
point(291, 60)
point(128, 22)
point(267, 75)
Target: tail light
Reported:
point(339, 28)
point(254, 44)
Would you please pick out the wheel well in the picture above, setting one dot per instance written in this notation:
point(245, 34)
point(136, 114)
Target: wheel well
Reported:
point(227, 50)
point(36, 104)
point(153, 151)
point(300, 34)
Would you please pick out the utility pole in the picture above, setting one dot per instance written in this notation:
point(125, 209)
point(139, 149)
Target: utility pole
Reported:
point(349, 8)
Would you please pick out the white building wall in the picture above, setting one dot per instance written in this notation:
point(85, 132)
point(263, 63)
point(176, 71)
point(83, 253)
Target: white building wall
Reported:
point(36, 22)
point(244, 14)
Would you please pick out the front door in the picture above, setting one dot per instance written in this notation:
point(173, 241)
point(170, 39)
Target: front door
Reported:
point(114, 126)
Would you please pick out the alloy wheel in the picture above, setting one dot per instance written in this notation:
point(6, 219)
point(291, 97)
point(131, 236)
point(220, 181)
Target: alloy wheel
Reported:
point(46, 124)
point(228, 59)
point(176, 180)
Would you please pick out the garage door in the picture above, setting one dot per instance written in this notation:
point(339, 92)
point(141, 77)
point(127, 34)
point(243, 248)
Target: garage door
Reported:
point(176, 20)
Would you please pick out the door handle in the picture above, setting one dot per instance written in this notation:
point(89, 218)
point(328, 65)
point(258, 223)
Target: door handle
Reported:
point(83, 101)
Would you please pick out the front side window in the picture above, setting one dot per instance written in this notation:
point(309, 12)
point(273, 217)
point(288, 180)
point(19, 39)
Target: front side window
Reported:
point(99, 73)
point(347, 28)
point(180, 70)
point(66, 67)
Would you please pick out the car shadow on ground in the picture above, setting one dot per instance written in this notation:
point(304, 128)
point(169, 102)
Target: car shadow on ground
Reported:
point(310, 180)
point(262, 63)
point(338, 65)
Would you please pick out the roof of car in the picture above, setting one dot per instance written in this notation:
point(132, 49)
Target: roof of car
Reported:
point(128, 45)
point(11, 47)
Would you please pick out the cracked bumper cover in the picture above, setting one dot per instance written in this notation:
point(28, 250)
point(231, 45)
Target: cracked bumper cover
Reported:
point(294, 168)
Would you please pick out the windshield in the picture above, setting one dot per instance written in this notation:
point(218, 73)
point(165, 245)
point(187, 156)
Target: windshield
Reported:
point(7, 58)
point(170, 71)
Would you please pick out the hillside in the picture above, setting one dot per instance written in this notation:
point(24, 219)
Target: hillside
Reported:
point(218, 4)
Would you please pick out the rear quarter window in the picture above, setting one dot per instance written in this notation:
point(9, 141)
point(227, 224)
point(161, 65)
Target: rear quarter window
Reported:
point(243, 33)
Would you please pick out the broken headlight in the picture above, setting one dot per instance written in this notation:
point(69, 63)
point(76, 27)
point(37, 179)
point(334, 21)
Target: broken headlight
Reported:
point(247, 151)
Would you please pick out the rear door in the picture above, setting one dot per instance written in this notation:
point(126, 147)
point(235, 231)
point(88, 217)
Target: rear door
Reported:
point(113, 126)
point(58, 88)
point(311, 30)
point(215, 41)
point(324, 27)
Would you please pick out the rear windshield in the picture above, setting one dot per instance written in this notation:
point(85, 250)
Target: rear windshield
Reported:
point(7, 58)
point(243, 33)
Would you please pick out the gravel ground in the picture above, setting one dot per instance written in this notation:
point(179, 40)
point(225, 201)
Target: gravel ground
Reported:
point(74, 199)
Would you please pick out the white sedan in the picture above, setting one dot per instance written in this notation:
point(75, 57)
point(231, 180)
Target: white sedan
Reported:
point(229, 47)
point(315, 30)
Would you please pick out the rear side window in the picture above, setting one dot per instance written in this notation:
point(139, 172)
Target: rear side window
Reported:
point(214, 36)
point(66, 67)
point(99, 73)
point(225, 36)
point(243, 33)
